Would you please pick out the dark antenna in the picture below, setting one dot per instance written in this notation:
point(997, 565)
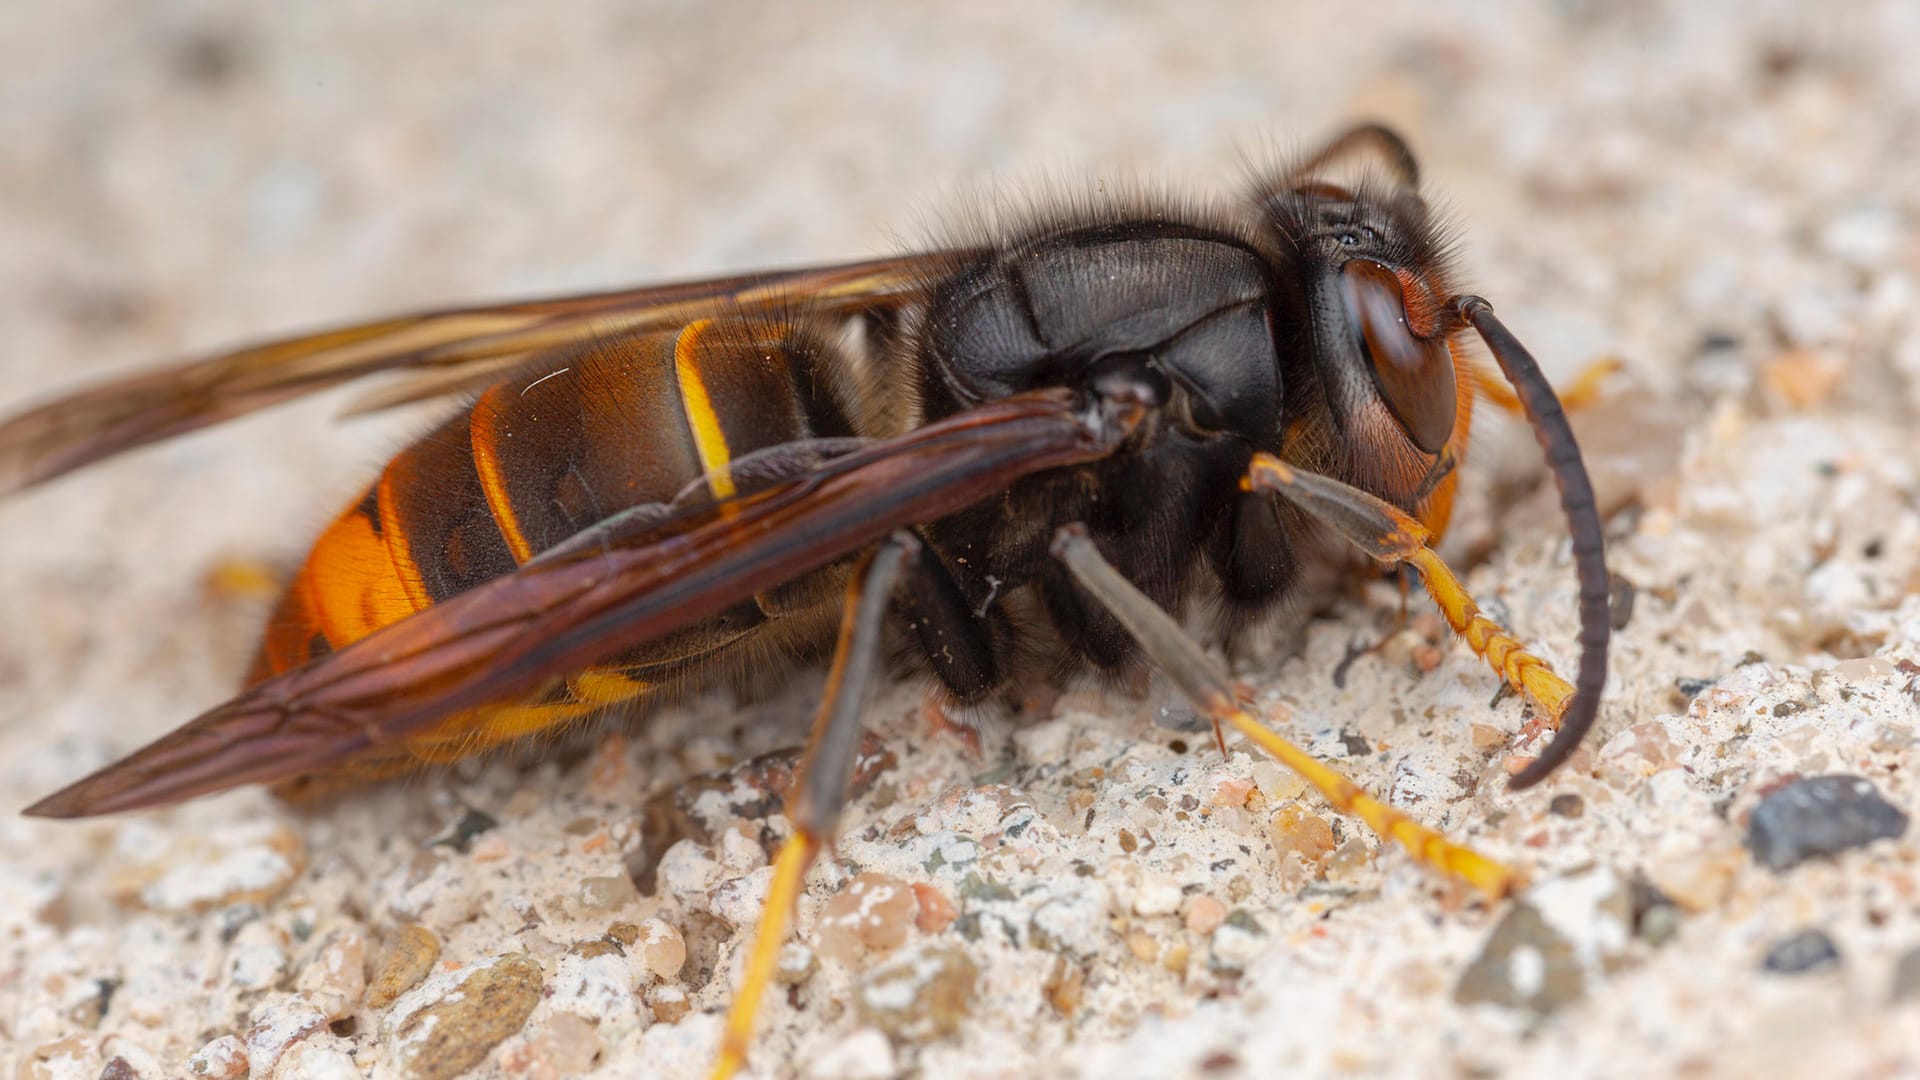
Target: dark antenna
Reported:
point(1555, 435)
point(1376, 138)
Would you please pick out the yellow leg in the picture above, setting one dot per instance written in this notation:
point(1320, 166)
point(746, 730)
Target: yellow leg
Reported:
point(1494, 879)
point(789, 875)
point(820, 785)
point(1206, 685)
point(1391, 536)
point(1531, 676)
point(1584, 391)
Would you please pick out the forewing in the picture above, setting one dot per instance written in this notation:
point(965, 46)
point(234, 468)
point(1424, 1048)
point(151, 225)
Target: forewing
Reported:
point(505, 639)
point(447, 350)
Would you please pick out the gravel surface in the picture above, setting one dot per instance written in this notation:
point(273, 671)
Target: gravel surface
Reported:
point(1723, 196)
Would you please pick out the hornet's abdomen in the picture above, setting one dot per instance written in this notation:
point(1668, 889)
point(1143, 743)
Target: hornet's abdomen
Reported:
point(564, 442)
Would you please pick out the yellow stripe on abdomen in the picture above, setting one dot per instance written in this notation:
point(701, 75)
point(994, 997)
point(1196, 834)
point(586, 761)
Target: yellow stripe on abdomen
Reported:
point(709, 441)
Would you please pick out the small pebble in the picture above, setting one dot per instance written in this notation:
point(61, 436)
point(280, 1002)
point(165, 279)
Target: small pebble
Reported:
point(1486, 737)
point(599, 988)
point(1157, 894)
point(1073, 922)
point(225, 1058)
point(741, 901)
point(1525, 964)
point(1176, 957)
point(91, 1009)
point(461, 834)
point(1689, 689)
point(1906, 977)
point(1820, 815)
point(1636, 753)
point(871, 915)
point(662, 949)
point(668, 1003)
point(1808, 950)
point(1205, 914)
point(1696, 880)
point(337, 978)
point(1236, 942)
point(1277, 782)
point(1065, 986)
point(1295, 830)
point(464, 1016)
point(277, 1026)
point(740, 852)
point(592, 947)
point(1348, 860)
point(1801, 379)
point(607, 895)
point(793, 965)
point(258, 956)
point(564, 1044)
point(1142, 945)
point(1655, 915)
point(410, 955)
point(1231, 791)
point(75, 1055)
point(921, 994)
point(935, 911)
point(1567, 805)
point(687, 871)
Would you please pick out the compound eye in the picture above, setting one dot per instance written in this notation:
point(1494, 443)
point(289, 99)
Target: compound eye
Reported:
point(1414, 374)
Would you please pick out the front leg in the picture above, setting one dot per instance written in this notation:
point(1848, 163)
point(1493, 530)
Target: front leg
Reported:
point(1393, 537)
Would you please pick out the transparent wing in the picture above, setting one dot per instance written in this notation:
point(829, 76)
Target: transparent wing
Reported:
point(556, 616)
point(446, 351)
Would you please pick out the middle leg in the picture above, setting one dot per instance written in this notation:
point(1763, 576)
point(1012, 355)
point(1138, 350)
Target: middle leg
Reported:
point(1206, 684)
point(819, 787)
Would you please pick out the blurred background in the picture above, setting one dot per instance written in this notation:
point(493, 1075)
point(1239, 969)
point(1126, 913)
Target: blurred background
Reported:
point(1700, 189)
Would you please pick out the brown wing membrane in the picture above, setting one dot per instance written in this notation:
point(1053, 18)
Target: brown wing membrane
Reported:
point(83, 428)
point(508, 637)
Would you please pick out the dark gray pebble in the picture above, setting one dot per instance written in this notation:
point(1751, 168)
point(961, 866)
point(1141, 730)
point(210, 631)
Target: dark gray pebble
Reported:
point(1691, 688)
point(1525, 964)
point(1808, 950)
point(1820, 815)
point(1906, 976)
point(1656, 918)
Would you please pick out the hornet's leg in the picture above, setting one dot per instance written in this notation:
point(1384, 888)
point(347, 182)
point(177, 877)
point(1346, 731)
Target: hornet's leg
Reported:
point(819, 788)
point(1395, 538)
point(1205, 683)
point(1581, 393)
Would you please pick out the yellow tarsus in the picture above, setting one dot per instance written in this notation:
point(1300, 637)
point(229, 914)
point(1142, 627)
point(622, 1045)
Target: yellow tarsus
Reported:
point(1392, 536)
point(789, 875)
point(1526, 673)
point(1493, 879)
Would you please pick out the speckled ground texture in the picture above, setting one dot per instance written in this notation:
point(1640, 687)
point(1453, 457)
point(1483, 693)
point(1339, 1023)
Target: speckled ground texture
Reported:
point(1722, 196)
